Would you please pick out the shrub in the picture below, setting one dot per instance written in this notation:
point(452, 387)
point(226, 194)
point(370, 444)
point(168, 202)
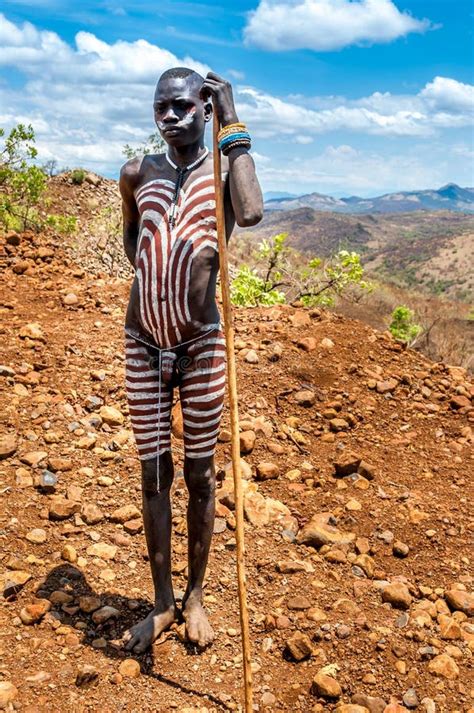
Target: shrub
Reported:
point(78, 176)
point(403, 326)
point(22, 184)
point(250, 290)
point(62, 224)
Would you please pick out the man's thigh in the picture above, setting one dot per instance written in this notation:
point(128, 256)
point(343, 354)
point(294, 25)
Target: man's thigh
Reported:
point(149, 400)
point(202, 391)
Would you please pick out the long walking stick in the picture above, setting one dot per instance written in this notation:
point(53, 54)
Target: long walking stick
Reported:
point(234, 417)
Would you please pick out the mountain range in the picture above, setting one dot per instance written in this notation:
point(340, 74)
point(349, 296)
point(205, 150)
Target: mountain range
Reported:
point(448, 197)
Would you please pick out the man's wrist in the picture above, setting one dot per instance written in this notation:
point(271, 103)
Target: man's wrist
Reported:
point(229, 118)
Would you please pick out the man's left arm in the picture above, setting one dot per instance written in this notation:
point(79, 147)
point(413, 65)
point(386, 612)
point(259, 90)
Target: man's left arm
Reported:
point(245, 192)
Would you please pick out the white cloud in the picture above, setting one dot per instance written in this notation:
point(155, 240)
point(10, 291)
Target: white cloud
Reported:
point(325, 25)
point(443, 103)
point(88, 99)
point(344, 170)
point(448, 95)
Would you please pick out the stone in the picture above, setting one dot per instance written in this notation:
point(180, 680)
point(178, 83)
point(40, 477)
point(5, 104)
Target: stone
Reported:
point(177, 424)
point(350, 708)
point(308, 344)
point(247, 441)
point(32, 458)
point(267, 471)
point(32, 330)
point(316, 614)
point(256, 509)
point(85, 675)
point(387, 387)
point(33, 613)
point(37, 536)
point(366, 471)
point(102, 550)
point(8, 446)
point(8, 693)
point(70, 299)
point(133, 527)
point(338, 424)
point(397, 595)
point(326, 687)
point(69, 554)
point(298, 603)
point(444, 666)
point(91, 514)
point(112, 416)
point(299, 646)
point(346, 464)
point(129, 668)
point(449, 628)
point(373, 704)
point(14, 581)
point(59, 464)
point(89, 604)
point(100, 616)
point(410, 699)
point(268, 699)
point(252, 357)
point(318, 532)
point(48, 481)
point(327, 344)
point(124, 513)
point(459, 600)
point(61, 508)
point(305, 397)
point(459, 402)
point(400, 549)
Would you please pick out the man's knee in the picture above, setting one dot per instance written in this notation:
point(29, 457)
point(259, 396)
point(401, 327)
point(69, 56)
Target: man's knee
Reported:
point(199, 474)
point(157, 477)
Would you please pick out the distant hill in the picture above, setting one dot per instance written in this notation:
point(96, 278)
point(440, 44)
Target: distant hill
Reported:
point(277, 195)
point(433, 250)
point(448, 197)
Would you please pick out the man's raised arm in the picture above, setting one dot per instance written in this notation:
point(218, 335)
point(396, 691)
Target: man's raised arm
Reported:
point(131, 216)
point(245, 191)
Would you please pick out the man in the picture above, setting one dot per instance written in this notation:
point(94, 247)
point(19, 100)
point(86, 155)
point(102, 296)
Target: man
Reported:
point(173, 334)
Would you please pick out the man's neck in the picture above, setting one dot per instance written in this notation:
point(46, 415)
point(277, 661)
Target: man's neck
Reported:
point(182, 156)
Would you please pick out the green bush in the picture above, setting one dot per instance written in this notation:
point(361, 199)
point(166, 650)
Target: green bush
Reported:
point(78, 176)
point(403, 326)
point(62, 224)
point(22, 184)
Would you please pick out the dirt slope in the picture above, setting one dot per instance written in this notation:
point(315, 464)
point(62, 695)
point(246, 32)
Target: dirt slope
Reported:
point(365, 573)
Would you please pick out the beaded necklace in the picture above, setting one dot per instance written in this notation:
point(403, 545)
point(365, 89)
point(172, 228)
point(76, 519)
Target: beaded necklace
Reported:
point(179, 182)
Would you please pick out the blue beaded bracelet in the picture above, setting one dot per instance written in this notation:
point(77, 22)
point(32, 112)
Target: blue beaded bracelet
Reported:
point(233, 137)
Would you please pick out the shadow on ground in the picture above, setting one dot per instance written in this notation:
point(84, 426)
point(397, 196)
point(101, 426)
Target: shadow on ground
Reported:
point(69, 579)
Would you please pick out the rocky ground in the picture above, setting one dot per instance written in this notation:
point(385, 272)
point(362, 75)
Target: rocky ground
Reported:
point(358, 502)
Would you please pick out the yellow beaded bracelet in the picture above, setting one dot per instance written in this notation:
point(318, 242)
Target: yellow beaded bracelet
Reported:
point(231, 129)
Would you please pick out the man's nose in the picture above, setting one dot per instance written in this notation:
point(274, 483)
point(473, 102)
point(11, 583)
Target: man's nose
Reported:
point(170, 115)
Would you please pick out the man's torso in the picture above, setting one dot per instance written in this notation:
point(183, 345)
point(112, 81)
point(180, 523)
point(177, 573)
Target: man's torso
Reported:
point(173, 294)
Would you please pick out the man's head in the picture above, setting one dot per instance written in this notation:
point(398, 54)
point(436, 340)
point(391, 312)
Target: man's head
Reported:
point(180, 111)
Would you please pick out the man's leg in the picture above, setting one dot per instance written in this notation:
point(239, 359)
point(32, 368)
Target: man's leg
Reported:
point(202, 396)
point(149, 403)
point(200, 479)
point(157, 523)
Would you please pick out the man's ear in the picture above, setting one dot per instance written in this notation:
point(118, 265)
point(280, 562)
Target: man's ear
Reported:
point(208, 111)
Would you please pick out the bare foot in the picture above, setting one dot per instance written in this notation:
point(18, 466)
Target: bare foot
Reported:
point(198, 629)
point(139, 637)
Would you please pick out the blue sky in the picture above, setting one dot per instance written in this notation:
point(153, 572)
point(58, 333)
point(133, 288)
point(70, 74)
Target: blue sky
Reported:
point(341, 97)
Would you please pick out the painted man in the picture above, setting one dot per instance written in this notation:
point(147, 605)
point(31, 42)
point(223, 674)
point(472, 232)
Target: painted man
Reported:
point(173, 331)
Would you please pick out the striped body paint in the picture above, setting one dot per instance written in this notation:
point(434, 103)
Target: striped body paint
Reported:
point(165, 253)
point(164, 259)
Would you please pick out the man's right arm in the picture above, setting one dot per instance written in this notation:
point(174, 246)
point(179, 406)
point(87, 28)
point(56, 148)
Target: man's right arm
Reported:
point(128, 181)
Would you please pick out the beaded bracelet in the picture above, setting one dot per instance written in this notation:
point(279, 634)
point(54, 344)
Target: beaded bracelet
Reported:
point(231, 128)
point(244, 143)
point(232, 137)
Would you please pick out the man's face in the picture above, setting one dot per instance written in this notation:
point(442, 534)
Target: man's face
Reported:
point(180, 112)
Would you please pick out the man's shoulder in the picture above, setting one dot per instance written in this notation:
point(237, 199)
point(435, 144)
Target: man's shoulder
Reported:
point(139, 169)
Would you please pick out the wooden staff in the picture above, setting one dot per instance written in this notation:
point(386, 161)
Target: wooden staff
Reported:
point(234, 417)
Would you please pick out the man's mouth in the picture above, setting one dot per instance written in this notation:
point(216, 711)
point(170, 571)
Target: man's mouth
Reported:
point(171, 130)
